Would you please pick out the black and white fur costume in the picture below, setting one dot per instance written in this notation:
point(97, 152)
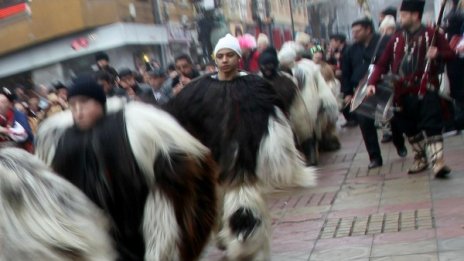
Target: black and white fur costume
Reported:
point(44, 217)
point(241, 121)
point(320, 104)
point(155, 182)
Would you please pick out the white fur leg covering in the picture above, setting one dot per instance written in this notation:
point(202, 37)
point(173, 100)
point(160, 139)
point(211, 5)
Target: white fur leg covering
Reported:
point(246, 228)
point(328, 99)
point(44, 217)
point(160, 229)
point(279, 163)
point(304, 110)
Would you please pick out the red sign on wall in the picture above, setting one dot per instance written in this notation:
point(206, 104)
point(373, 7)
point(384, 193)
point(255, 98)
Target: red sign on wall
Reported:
point(10, 8)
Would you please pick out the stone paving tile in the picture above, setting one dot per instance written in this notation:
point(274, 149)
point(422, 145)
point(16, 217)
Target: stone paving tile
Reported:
point(453, 188)
point(348, 194)
point(308, 230)
point(302, 214)
point(358, 196)
point(451, 244)
point(451, 255)
point(327, 244)
point(414, 257)
point(365, 180)
point(419, 247)
point(352, 212)
point(450, 232)
point(384, 207)
point(449, 212)
point(289, 257)
point(404, 237)
point(341, 253)
point(292, 245)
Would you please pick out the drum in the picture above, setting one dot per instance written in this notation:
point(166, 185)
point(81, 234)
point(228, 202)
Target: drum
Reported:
point(379, 106)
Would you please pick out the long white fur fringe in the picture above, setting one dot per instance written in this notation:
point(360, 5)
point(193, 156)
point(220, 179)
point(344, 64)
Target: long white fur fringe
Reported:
point(44, 217)
point(280, 164)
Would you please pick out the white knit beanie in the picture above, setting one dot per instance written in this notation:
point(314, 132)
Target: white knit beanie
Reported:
point(228, 42)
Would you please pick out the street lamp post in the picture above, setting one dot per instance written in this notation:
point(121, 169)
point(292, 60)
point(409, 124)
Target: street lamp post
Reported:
point(291, 18)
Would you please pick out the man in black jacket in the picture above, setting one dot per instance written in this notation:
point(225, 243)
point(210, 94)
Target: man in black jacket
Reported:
point(103, 64)
point(185, 73)
point(367, 45)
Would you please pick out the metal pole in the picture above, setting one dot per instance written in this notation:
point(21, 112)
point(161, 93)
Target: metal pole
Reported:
point(291, 18)
point(157, 11)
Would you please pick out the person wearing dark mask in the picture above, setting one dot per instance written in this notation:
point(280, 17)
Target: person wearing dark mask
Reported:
point(282, 82)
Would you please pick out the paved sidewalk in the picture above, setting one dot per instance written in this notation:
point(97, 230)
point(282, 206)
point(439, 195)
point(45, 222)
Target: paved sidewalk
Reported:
point(382, 214)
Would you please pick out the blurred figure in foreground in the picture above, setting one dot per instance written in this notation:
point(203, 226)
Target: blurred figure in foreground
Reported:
point(154, 181)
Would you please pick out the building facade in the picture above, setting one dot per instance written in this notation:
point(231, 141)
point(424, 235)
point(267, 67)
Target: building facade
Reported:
point(272, 17)
point(55, 39)
point(50, 40)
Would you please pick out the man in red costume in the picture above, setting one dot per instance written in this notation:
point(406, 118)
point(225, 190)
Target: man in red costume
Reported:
point(419, 117)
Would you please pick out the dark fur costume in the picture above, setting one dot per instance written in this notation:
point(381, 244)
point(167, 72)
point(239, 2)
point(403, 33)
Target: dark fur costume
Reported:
point(242, 123)
point(232, 120)
point(285, 88)
point(140, 173)
point(109, 177)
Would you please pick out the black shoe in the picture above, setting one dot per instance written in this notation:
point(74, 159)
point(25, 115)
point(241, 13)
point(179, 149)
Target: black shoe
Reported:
point(402, 152)
point(443, 173)
point(386, 138)
point(375, 164)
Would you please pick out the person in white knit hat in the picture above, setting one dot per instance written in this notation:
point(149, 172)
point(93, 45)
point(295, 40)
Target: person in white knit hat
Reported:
point(228, 42)
point(240, 118)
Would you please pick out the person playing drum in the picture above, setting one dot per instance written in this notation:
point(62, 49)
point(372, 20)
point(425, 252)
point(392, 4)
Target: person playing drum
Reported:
point(420, 117)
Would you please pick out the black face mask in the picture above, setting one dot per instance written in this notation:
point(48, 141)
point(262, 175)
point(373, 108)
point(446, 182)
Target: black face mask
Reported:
point(269, 70)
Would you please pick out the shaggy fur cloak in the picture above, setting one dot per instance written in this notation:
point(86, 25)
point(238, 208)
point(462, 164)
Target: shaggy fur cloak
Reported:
point(44, 217)
point(155, 182)
point(242, 123)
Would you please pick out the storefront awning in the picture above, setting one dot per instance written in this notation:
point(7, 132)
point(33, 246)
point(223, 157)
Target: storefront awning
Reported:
point(97, 39)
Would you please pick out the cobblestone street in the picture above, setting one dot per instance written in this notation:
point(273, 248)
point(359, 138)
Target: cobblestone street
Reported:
point(382, 214)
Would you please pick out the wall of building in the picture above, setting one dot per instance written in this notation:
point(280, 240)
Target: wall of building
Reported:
point(239, 14)
point(280, 12)
point(50, 19)
point(48, 75)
